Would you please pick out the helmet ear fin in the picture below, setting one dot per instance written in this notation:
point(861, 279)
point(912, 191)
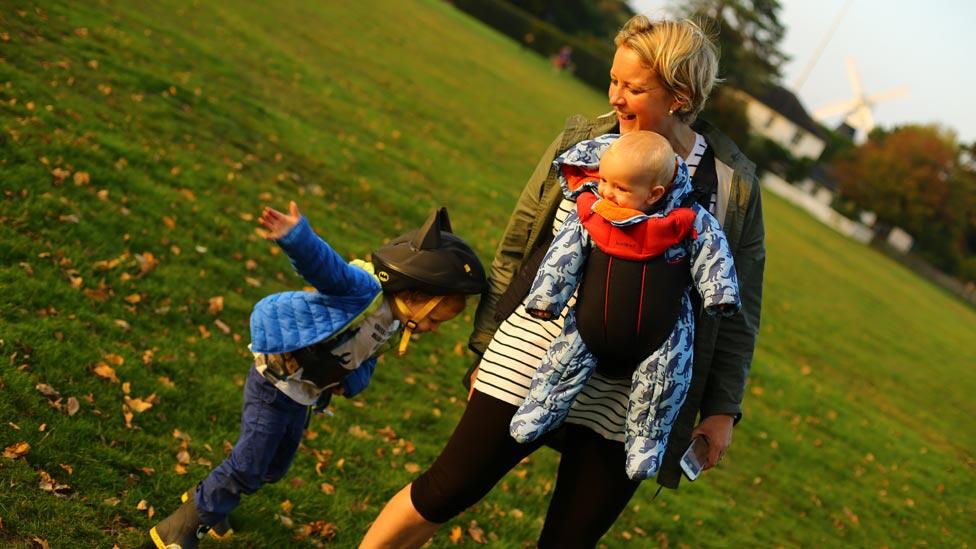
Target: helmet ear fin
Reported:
point(429, 236)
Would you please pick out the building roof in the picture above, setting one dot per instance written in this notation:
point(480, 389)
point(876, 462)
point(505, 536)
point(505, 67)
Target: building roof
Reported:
point(820, 174)
point(787, 104)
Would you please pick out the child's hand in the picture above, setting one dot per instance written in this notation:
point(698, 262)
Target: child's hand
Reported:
point(277, 223)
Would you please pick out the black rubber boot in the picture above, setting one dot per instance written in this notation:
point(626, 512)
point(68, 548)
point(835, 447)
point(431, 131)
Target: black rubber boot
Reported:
point(180, 530)
point(220, 531)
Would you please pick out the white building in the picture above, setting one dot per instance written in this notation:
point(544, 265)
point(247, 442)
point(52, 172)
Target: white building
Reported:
point(778, 115)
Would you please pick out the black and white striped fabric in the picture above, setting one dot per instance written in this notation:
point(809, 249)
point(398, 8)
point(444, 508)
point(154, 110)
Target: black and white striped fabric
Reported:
point(521, 341)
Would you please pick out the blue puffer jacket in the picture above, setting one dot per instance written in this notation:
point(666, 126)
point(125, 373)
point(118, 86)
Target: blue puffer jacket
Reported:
point(288, 321)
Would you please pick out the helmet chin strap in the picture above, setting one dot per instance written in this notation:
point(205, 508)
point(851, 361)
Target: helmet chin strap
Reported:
point(415, 318)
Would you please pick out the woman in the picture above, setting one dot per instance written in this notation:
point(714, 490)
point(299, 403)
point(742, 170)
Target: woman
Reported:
point(661, 76)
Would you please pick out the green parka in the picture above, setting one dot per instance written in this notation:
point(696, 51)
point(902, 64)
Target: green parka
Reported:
point(723, 347)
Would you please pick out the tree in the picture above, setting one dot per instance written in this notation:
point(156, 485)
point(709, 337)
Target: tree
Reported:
point(917, 178)
point(749, 34)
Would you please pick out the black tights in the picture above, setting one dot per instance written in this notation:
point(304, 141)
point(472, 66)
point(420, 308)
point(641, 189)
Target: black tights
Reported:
point(591, 491)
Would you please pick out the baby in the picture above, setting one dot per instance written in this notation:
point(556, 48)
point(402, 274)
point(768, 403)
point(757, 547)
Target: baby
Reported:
point(635, 246)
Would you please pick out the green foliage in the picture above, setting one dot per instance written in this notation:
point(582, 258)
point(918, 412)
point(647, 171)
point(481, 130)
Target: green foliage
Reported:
point(128, 204)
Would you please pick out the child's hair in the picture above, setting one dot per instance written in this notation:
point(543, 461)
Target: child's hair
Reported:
point(649, 153)
point(432, 260)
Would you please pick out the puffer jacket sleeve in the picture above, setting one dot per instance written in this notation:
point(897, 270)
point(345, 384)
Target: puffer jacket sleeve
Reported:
point(561, 268)
point(315, 261)
point(357, 380)
point(712, 267)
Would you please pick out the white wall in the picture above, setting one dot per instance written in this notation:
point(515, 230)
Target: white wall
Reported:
point(817, 209)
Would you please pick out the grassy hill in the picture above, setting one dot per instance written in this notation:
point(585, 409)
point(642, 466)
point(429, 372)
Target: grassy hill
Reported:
point(137, 143)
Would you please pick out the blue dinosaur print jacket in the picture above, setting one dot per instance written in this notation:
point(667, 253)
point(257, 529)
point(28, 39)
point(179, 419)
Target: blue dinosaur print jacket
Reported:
point(660, 382)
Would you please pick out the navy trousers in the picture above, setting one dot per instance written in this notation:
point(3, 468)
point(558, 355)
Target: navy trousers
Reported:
point(272, 425)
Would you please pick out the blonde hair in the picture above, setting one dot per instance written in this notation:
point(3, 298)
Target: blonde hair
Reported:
point(682, 54)
point(648, 154)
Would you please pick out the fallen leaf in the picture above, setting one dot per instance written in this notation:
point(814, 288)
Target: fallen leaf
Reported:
point(327, 488)
point(73, 406)
point(183, 457)
point(411, 468)
point(142, 505)
point(358, 432)
point(82, 178)
point(216, 304)
point(126, 387)
point(16, 450)
point(221, 326)
point(138, 405)
point(122, 324)
point(47, 390)
point(476, 533)
point(105, 371)
point(41, 542)
point(286, 506)
point(456, 535)
point(147, 262)
point(166, 382)
point(180, 469)
point(127, 415)
point(111, 502)
point(48, 484)
point(133, 299)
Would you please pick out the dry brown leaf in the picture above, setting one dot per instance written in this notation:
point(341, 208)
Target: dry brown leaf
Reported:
point(139, 405)
point(358, 432)
point(387, 433)
point(181, 435)
point(147, 262)
point(105, 371)
point(16, 450)
point(180, 469)
point(132, 299)
point(286, 506)
point(127, 415)
point(456, 535)
point(142, 505)
point(126, 387)
point(60, 174)
point(41, 542)
point(411, 468)
point(122, 324)
point(476, 533)
point(216, 304)
point(148, 471)
point(327, 488)
point(221, 326)
point(47, 390)
point(48, 484)
point(82, 178)
point(166, 382)
point(183, 457)
point(73, 406)
point(111, 502)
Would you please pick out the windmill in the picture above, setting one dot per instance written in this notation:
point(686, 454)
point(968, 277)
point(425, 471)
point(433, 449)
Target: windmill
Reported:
point(856, 111)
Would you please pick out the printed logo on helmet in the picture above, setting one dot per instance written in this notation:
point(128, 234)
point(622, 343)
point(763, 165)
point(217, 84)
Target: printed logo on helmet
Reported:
point(383, 276)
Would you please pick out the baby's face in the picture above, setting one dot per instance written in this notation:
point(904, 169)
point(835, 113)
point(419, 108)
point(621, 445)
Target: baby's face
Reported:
point(626, 186)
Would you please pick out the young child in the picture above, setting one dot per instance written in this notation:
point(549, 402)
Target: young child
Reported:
point(634, 252)
point(308, 345)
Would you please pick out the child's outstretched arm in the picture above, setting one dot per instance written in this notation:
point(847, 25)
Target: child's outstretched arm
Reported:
point(313, 259)
point(278, 224)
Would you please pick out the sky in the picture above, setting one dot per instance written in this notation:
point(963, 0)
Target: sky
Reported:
point(927, 46)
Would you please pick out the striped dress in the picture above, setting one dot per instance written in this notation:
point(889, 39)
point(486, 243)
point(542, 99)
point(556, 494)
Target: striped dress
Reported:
point(520, 343)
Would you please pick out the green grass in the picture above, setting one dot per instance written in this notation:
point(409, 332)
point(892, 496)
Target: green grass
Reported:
point(188, 117)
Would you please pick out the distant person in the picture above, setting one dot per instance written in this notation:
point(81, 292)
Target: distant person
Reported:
point(563, 61)
point(309, 345)
point(662, 74)
point(634, 252)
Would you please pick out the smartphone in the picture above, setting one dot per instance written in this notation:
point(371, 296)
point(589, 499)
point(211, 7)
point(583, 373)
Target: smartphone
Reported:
point(695, 457)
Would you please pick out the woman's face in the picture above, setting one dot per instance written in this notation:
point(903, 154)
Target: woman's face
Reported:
point(637, 95)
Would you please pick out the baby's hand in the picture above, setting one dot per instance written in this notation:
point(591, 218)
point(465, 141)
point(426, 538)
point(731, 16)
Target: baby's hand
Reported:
point(277, 223)
point(538, 313)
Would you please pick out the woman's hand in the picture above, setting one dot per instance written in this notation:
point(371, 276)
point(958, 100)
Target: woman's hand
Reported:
point(717, 430)
point(278, 224)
